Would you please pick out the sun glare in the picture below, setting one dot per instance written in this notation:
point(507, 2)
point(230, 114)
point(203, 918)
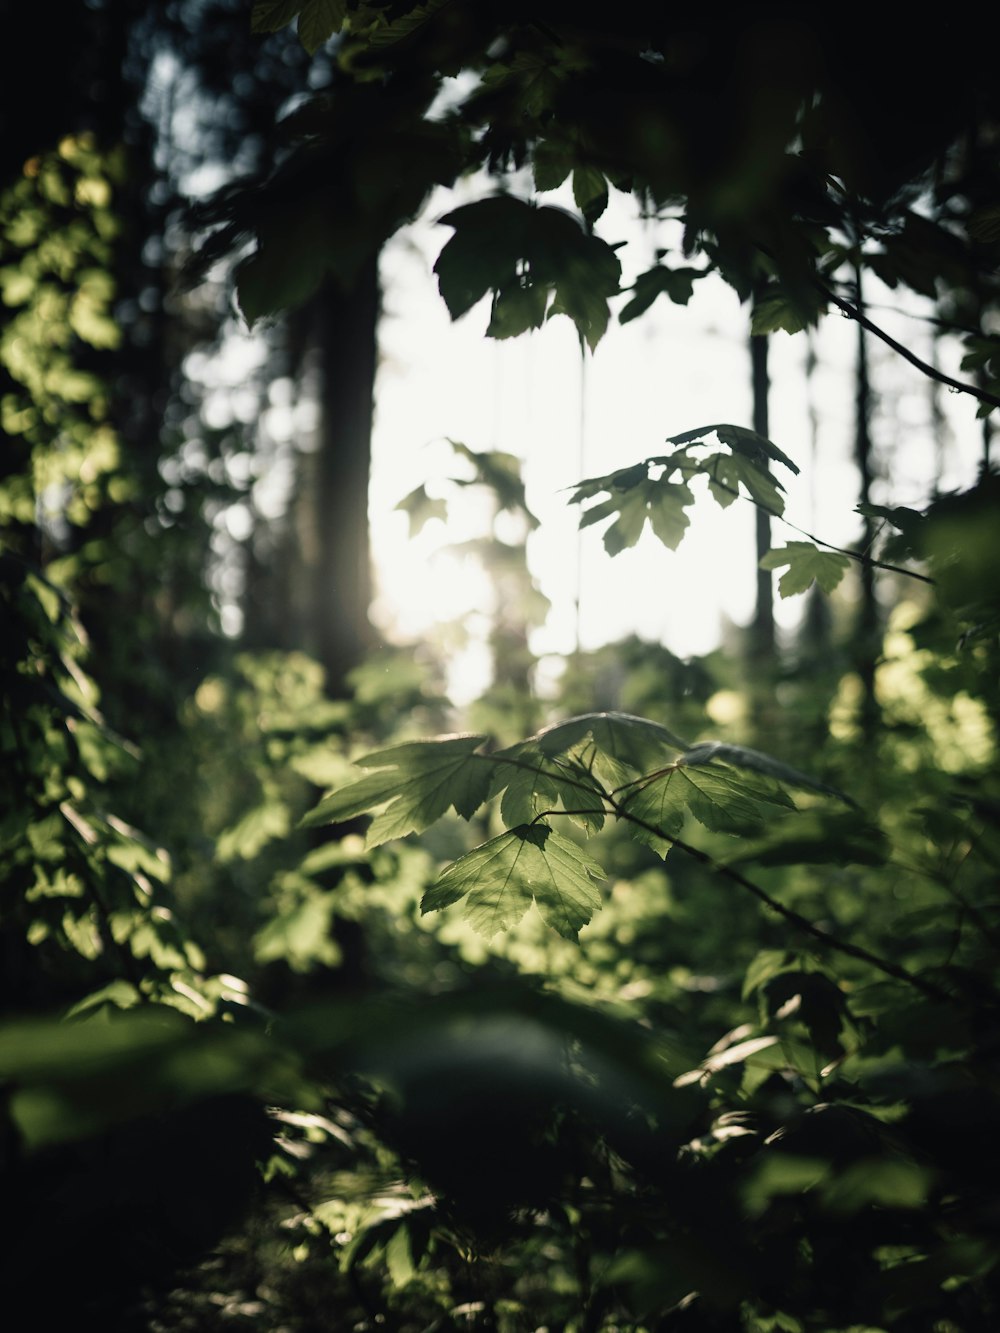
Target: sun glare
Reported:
point(674, 369)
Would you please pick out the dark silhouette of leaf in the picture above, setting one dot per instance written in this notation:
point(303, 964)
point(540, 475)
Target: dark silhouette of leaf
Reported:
point(420, 508)
point(319, 20)
point(743, 442)
point(675, 283)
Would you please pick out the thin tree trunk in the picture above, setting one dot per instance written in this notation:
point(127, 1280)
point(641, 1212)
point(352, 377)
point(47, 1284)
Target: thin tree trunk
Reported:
point(763, 620)
point(762, 657)
point(346, 327)
point(867, 633)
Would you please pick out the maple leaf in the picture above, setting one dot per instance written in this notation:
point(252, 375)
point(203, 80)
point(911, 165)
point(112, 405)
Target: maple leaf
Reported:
point(717, 796)
point(620, 738)
point(420, 508)
point(635, 499)
point(529, 863)
point(533, 783)
point(417, 782)
point(806, 565)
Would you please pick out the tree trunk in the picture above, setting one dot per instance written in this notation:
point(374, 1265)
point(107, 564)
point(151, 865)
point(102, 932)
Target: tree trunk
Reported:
point(762, 658)
point(311, 591)
point(346, 329)
point(867, 635)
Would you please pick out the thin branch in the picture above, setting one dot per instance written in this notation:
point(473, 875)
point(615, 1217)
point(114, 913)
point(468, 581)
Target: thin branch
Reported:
point(852, 312)
point(858, 556)
point(794, 918)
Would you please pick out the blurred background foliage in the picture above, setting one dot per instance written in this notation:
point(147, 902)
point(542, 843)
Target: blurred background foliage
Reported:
point(245, 1083)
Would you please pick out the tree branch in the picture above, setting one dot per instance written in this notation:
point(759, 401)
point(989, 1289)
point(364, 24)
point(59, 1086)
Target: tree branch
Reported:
point(860, 557)
point(794, 918)
point(852, 312)
point(801, 923)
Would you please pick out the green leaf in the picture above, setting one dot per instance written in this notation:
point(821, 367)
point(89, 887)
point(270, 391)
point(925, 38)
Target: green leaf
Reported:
point(255, 830)
point(319, 20)
point(490, 238)
point(273, 15)
point(537, 261)
point(677, 284)
point(743, 442)
point(780, 1174)
point(889, 1182)
point(590, 191)
point(774, 313)
point(532, 783)
point(717, 797)
point(417, 781)
point(301, 935)
point(806, 564)
point(635, 742)
point(420, 508)
point(727, 471)
point(501, 878)
point(659, 502)
point(285, 269)
point(765, 965)
point(551, 164)
point(516, 310)
point(502, 473)
point(398, 1257)
point(656, 804)
point(741, 756)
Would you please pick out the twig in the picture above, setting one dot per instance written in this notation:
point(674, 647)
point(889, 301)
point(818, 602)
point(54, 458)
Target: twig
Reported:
point(859, 556)
point(794, 918)
point(932, 372)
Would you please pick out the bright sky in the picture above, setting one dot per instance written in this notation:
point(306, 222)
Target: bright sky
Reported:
point(672, 369)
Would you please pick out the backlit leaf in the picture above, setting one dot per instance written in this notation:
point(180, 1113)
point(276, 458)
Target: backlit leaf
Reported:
point(319, 20)
point(677, 284)
point(537, 262)
point(659, 502)
point(420, 508)
point(743, 442)
point(590, 192)
point(718, 797)
point(727, 471)
point(501, 878)
point(742, 756)
point(273, 15)
point(806, 564)
point(533, 782)
point(417, 782)
point(637, 742)
point(774, 313)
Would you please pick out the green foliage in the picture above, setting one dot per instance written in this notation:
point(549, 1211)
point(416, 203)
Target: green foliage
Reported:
point(536, 261)
point(675, 283)
point(658, 491)
point(768, 1060)
point(417, 782)
point(807, 565)
point(57, 233)
point(501, 878)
